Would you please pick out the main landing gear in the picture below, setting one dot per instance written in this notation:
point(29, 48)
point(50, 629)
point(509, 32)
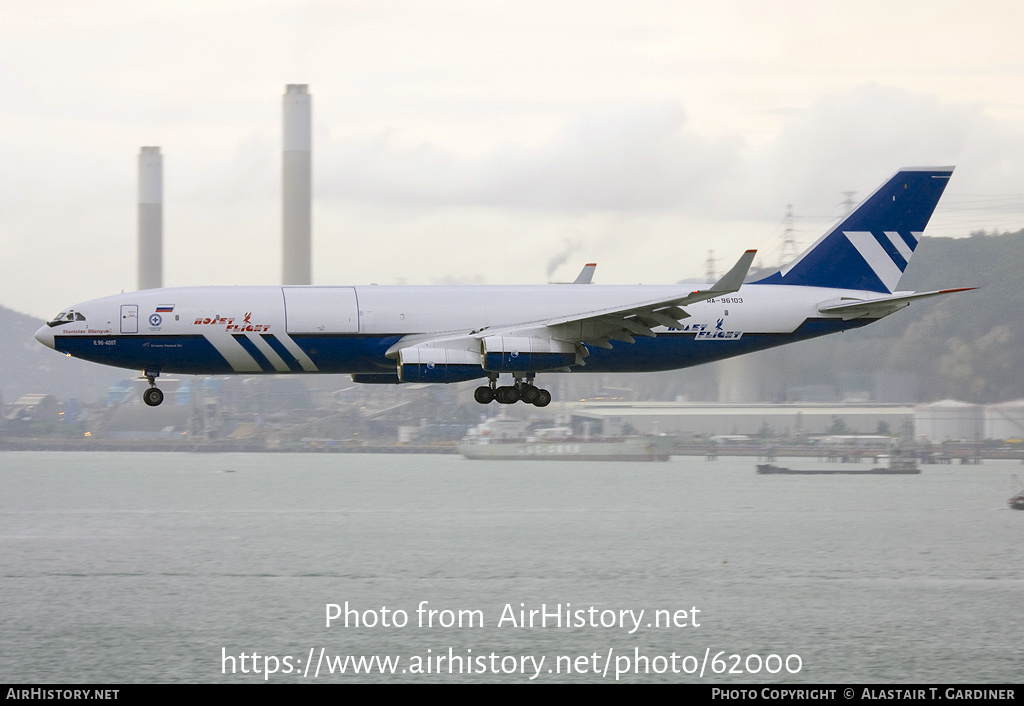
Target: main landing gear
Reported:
point(521, 391)
point(154, 395)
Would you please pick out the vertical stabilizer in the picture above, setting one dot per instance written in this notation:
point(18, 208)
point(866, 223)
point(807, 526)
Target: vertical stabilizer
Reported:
point(871, 247)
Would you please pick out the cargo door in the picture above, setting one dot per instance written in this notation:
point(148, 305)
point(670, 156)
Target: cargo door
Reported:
point(321, 310)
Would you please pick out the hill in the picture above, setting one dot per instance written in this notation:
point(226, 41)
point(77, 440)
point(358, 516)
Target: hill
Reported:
point(28, 367)
point(966, 346)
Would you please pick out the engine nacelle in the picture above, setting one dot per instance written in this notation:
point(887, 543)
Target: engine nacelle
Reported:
point(418, 364)
point(515, 354)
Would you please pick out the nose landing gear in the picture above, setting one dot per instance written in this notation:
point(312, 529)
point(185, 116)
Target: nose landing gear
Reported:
point(154, 395)
point(521, 391)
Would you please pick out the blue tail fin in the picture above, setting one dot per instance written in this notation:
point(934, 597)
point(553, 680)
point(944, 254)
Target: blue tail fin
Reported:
point(871, 247)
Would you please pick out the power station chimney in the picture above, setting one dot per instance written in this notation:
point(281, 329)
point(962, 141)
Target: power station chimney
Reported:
point(151, 218)
point(296, 185)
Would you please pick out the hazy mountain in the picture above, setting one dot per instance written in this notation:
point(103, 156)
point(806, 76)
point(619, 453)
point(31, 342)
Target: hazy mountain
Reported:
point(967, 346)
point(26, 366)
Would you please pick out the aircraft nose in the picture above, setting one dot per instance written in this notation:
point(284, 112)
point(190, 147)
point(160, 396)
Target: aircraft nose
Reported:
point(45, 336)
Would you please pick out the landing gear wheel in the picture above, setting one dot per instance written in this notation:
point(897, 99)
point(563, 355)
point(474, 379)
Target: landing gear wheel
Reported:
point(153, 397)
point(506, 395)
point(529, 394)
point(543, 398)
point(483, 395)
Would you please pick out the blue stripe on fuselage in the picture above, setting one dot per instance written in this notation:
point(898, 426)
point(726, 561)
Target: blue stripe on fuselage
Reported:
point(347, 353)
point(281, 351)
point(196, 355)
point(257, 355)
point(672, 350)
point(167, 354)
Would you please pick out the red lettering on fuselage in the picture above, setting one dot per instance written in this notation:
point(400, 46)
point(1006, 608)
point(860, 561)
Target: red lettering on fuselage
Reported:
point(230, 326)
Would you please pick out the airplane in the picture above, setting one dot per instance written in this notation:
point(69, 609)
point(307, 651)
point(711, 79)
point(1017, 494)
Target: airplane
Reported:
point(448, 334)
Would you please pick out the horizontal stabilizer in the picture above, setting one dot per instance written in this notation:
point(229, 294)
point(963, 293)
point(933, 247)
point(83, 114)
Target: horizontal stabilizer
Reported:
point(877, 308)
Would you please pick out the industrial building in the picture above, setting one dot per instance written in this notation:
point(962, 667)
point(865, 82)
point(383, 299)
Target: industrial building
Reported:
point(756, 419)
point(936, 422)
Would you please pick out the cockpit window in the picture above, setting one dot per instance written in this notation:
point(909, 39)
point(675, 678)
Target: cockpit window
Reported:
point(65, 317)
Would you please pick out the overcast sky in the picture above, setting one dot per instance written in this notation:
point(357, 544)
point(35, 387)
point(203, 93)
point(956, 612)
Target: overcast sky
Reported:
point(492, 142)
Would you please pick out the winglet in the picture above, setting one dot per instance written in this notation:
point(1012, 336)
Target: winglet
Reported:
point(586, 274)
point(734, 278)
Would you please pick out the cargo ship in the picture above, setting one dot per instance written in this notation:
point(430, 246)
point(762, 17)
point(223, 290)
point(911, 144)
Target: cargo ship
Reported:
point(512, 440)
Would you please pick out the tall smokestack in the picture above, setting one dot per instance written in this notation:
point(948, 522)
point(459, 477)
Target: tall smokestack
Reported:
point(296, 185)
point(151, 218)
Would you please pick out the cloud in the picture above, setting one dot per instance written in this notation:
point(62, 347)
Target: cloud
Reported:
point(854, 140)
point(644, 158)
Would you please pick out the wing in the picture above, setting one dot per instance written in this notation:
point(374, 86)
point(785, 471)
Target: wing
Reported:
point(547, 344)
point(599, 328)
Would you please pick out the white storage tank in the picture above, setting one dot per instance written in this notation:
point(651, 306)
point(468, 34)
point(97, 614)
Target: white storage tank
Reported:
point(1005, 420)
point(949, 420)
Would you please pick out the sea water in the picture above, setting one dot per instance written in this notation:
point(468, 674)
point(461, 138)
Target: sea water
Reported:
point(139, 567)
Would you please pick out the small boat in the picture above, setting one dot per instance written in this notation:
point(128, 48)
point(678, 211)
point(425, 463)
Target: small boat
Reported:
point(1017, 501)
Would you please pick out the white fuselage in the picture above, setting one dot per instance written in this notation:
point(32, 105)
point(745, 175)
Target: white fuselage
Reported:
point(351, 329)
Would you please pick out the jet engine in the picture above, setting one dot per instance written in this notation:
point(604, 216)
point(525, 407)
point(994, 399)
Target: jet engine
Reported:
point(527, 354)
point(423, 364)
